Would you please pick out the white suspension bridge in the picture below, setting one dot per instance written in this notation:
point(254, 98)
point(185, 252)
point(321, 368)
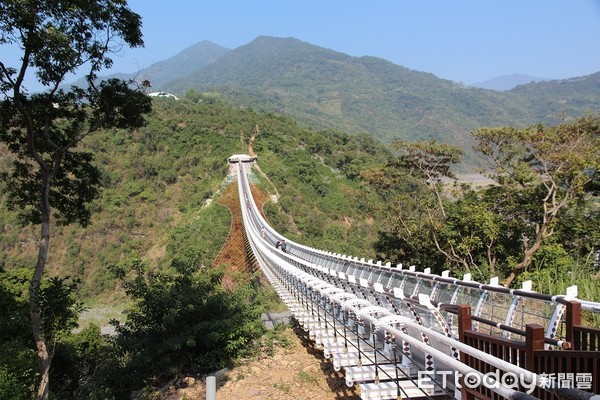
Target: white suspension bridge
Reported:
point(400, 333)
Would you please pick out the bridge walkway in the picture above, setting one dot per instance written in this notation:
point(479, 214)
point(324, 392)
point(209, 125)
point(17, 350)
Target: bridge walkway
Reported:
point(400, 333)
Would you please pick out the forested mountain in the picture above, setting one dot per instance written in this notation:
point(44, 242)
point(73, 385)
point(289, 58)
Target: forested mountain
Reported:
point(184, 63)
point(574, 96)
point(324, 88)
point(179, 66)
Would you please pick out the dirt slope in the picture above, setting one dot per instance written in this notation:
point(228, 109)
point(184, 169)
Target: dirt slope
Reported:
point(233, 254)
point(296, 372)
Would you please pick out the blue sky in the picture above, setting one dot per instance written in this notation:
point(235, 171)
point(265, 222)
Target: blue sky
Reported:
point(466, 41)
point(462, 40)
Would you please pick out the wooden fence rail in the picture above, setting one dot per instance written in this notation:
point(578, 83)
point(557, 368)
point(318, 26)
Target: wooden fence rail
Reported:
point(578, 367)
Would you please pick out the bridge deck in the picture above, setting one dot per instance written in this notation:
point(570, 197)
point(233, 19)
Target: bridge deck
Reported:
point(402, 333)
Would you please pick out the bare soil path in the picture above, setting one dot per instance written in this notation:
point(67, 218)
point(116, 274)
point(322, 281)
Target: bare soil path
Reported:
point(295, 372)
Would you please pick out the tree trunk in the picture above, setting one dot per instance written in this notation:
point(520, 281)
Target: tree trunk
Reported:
point(527, 255)
point(44, 356)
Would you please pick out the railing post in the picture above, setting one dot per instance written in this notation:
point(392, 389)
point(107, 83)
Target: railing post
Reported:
point(572, 318)
point(211, 387)
point(534, 340)
point(464, 325)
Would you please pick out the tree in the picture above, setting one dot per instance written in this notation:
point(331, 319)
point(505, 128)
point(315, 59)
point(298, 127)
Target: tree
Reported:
point(548, 168)
point(545, 178)
point(52, 172)
point(432, 162)
point(182, 320)
point(419, 179)
point(17, 357)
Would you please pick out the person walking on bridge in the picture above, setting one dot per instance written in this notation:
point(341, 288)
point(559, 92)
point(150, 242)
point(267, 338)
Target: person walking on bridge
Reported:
point(284, 246)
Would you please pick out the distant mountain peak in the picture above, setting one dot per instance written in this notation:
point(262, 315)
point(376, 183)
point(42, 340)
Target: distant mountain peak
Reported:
point(185, 62)
point(267, 38)
point(176, 67)
point(271, 43)
point(507, 82)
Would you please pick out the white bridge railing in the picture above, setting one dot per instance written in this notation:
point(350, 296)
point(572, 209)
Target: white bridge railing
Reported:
point(388, 327)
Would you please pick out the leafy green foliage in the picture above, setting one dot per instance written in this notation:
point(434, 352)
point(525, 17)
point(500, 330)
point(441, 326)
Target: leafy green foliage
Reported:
point(60, 311)
point(540, 213)
point(311, 170)
point(17, 355)
point(554, 270)
point(182, 320)
point(72, 178)
point(433, 161)
point(206, 234)
point(60, 37)
point(77, 361)
point(548, 167)
point(43, 131)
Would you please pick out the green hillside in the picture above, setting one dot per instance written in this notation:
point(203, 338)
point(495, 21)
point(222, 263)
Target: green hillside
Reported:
point(157, 181)
point(147, 257)
point(573, 96)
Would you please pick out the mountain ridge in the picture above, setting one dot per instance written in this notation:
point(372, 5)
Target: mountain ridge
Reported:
point(185, 62)
point(178, 66)
point(507, 82)
point(323, 88)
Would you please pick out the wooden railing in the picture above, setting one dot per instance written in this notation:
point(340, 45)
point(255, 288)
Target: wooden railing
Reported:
point(581, 337)
point(579, 366)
